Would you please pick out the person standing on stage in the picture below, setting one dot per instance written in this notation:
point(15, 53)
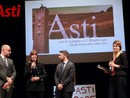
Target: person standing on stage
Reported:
point(64, 76)
point(7, 72)
point(35, 75)
point(118, 75)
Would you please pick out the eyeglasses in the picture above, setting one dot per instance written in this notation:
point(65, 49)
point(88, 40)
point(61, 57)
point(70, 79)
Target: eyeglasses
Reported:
point(115, 46)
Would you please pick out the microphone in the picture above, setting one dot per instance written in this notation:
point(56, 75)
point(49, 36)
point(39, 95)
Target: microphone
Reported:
point(110, 68)
point(33, 65)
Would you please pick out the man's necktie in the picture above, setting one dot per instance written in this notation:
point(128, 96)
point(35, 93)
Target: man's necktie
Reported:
point(62, 67)
point(6, 62)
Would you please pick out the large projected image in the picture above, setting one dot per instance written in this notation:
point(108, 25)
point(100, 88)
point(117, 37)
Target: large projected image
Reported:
point(86, 29)
point(71, 30)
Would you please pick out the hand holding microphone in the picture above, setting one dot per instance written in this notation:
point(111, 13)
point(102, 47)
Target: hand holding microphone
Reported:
point(33, 65)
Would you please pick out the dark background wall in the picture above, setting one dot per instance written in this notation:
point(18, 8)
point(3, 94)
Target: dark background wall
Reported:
point(12, 32)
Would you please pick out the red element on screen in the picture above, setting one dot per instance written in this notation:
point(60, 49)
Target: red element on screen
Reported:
point(13, 11)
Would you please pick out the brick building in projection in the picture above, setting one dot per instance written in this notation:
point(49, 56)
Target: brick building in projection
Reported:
point(40, 30)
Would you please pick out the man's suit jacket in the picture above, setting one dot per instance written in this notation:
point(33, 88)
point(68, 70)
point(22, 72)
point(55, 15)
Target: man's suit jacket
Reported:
point(6, 71)
point(67, 77)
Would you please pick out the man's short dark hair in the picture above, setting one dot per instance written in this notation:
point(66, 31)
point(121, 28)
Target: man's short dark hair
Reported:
point(65, 52)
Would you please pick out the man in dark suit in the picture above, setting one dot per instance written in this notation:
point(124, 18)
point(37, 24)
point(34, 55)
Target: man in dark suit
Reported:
point(7, 72)
point(64, 76)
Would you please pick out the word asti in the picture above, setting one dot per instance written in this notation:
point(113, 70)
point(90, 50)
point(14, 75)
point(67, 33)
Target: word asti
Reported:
point(13, 11)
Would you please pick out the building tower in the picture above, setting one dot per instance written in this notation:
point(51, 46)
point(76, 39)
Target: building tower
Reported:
point(40, 30)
